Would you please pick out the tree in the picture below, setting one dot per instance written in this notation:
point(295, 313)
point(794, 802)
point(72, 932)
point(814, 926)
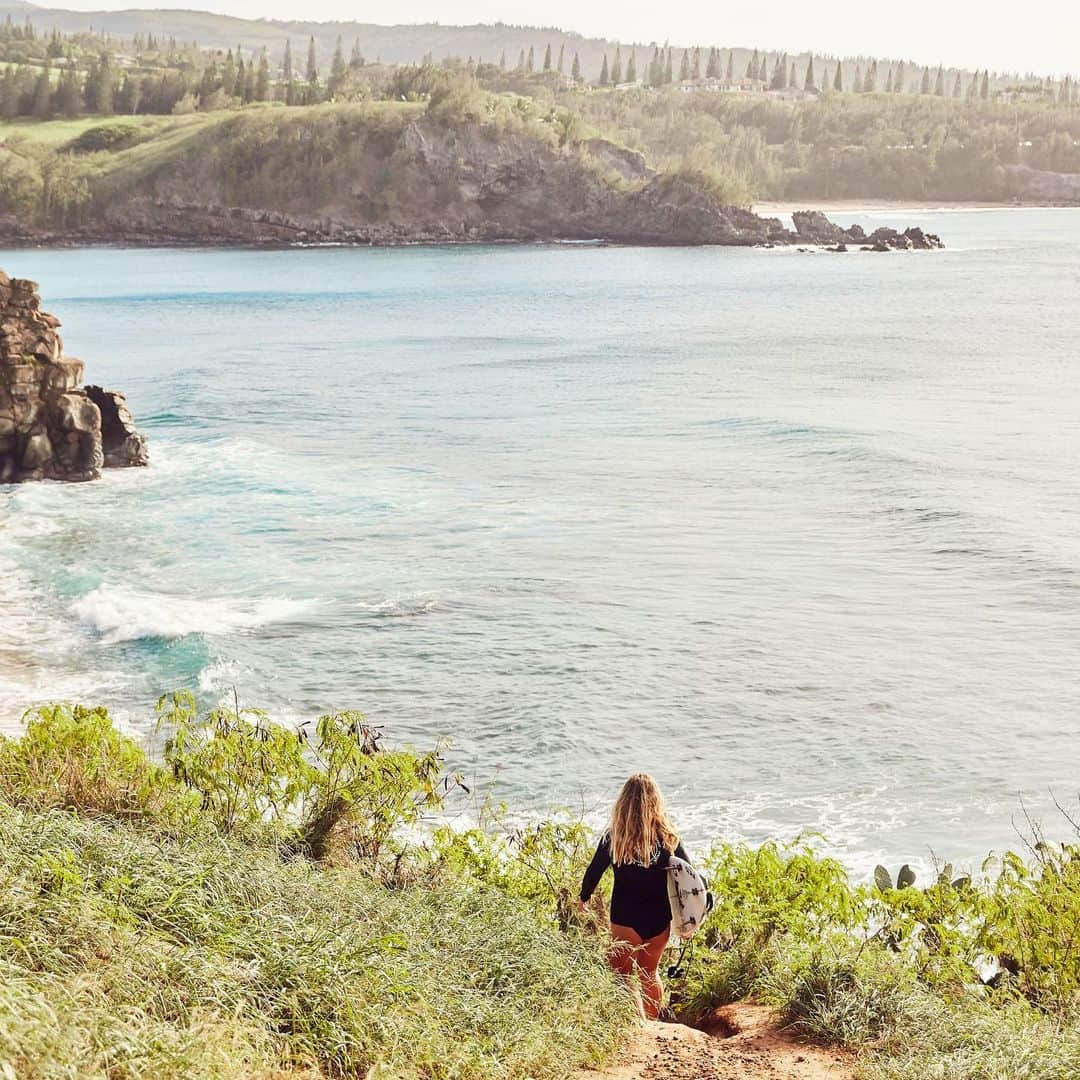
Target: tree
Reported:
point(984, 91)
point(336, 80)
point(356, 58)
point(809, 84)
point(889, 82)
point(779, 75)
point(924, 86)
point(547, 57)
point(287, 74)
point(631, 68)
point(312, 73)
point(69, 92)
point(939, 83)
point(502, 61)
point(857, 82)
point(616, 70)
point(870, 82)
point(604, 78)
point(530, 64)
point(731, 65)
point(752, 66)
point(900, 82)
point(575, 69)
point(684, 66)
point(521, 62)
point(228, 75)
point(669, 75)
point(562, 57)
point(957, 90)
point(712, 65)
point(262, 79)
point(42, 104)
point(838, 81)
point(695, 67)
point(100, 86)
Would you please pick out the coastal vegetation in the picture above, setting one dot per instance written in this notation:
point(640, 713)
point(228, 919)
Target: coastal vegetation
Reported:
point(87, 120)
point(249, 900)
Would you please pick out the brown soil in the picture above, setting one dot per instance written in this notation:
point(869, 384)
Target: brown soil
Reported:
point(740, 1042)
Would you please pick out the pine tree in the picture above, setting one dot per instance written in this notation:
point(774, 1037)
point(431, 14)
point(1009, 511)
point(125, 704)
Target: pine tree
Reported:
point(228, 75)
point(312, 70)
point(287, 74)
point(857, 82)
point(924, 86)
point(262, 80)
point(809, 84)
point(616, 70)
point(984, 91)
point(695, 67)
point(838, 81)
point(575, 69)
point(870, 82)
point(356, 58)
point(604, 78)
point(712, 65)
point(502, 61)
point(631, 68)
point(731, 65)
point(900, 82)
point(889, 82)
point(973, 88)
point(69, 92)
point(684, 66)
point(957, 90)
point(669, 75)
point(779, 75)
point(530, 64)
point(521, 62)
point(241, 78)
point(793, 81)
point(752, 67)
point(338, 69)
point(939, 83)
point(562, 58)
point(41, 108)
point(547, 57)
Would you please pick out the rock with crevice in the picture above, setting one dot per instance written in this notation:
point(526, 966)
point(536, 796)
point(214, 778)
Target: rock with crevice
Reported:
point(50, 427)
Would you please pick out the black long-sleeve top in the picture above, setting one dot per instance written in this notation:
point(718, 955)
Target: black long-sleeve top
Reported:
point(640, 896)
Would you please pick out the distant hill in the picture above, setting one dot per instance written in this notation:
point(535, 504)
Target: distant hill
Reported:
point(401, 44)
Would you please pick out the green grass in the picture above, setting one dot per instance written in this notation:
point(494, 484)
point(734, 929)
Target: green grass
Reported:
point(57, 132)
point(124, 954)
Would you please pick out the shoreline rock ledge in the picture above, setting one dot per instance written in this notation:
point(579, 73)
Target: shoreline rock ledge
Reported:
point(50, 427)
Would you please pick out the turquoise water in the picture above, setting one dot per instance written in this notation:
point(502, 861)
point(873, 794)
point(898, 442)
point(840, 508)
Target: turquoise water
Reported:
point(796, 532)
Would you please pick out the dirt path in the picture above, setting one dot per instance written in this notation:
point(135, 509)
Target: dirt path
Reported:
point(743, 1042)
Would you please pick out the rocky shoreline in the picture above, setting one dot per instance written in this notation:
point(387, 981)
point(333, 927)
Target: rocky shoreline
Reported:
point(50, 427)
point(170, 224)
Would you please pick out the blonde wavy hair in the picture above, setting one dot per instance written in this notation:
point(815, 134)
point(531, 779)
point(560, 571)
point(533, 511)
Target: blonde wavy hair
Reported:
point(639, 822)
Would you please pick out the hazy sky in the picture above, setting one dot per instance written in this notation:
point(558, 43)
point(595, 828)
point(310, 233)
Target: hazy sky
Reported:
point(1038, 35)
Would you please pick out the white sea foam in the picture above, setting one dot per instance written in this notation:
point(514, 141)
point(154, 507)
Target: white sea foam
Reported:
point(120, 614)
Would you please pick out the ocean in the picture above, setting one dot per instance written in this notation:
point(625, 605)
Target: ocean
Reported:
point(799, 533)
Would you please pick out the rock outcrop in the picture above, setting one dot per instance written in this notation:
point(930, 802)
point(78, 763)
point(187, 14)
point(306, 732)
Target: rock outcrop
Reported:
point(813, 227)
point(49, 427)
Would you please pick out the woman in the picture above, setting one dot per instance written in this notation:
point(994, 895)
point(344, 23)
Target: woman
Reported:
point(637, 846)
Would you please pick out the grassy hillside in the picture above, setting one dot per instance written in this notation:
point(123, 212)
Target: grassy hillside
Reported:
point(258, 904)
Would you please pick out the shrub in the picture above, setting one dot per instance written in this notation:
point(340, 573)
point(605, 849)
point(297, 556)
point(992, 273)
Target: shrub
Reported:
point(259, 779)
point(72, 757)
point(112, 136)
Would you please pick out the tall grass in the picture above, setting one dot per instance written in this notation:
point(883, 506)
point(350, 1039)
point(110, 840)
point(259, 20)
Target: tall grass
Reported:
point(130, 954)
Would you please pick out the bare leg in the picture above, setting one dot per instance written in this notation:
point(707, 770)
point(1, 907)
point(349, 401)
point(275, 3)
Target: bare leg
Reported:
point(648, 958)
point(622, 958)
